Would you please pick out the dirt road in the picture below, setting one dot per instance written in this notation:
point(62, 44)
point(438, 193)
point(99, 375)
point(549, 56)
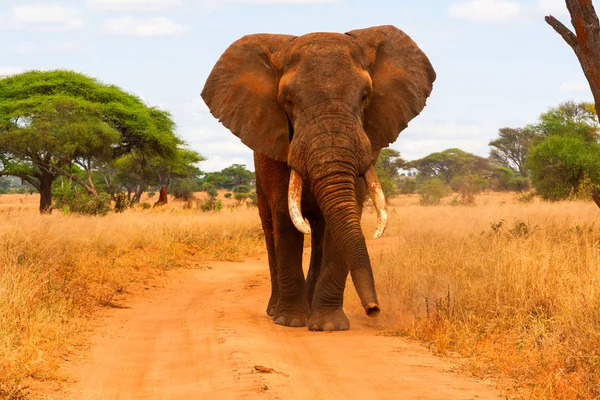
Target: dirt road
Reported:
point(206, 336)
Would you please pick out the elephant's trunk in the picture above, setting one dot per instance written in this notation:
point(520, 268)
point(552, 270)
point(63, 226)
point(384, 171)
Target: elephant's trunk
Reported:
point(335, 194)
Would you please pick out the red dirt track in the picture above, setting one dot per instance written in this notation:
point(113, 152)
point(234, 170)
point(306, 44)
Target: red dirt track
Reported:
point(206, 336)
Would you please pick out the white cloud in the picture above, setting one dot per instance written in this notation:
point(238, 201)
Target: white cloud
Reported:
point(144, 27)
point(45, 17)
point(24, 48)
point(575, 86)
point(221, 3)
point(5, 71)
point(486, 10)
point(132, 5)
point(554, 7)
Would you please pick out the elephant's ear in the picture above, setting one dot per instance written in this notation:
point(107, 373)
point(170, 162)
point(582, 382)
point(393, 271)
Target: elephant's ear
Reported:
point(241, 91)
point(402, 80)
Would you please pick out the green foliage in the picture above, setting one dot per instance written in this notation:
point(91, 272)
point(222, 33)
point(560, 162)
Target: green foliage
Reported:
point(468, 187)
point(242, 189)
point(387, 166)
point(145, 206)
point(407, 186)
point(230, 178)
point(511, 147)
point(51, 120)
point(518, 184)
point(182, 189)
point(227, 195)
point(559, 163)
point(211, 203)
point(450, 163)
point(570, 119)
point(432, 191)
point(121, 202)
point(240, 197)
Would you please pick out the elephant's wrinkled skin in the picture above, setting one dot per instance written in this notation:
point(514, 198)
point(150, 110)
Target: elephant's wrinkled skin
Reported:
point(320, 107)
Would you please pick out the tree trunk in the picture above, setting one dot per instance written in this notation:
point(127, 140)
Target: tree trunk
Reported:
point(162, 197)
point(45, 189)
point(138, 194)
point(585, 42)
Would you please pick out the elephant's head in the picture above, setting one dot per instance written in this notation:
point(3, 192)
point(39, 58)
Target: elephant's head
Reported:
point(325, 103)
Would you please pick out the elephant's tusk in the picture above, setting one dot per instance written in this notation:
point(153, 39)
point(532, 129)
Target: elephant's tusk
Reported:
point(294, 201)
point(376, 193)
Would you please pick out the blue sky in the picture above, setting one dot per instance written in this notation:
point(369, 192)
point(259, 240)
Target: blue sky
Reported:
point(498, 63)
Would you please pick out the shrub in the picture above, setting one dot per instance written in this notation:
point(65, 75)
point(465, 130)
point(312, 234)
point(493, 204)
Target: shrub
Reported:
point(121, 202)
point(182, 189)
point(242, 189)
point(559, 163)
point(432, 191)
point(408, 186)
point(517, 184)
point(227, 195)
point(145, 206)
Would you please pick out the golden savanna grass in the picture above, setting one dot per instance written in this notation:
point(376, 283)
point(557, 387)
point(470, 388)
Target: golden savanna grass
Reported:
point(56, 270)
point(513, 288)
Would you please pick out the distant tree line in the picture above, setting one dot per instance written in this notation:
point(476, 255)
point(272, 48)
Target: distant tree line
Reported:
point(558, 156)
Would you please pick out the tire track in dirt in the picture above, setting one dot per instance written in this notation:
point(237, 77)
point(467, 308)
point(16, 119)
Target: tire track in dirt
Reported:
point(206, 336)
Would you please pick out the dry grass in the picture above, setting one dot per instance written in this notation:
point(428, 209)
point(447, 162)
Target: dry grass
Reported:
point(55, 271)
point(513, 288)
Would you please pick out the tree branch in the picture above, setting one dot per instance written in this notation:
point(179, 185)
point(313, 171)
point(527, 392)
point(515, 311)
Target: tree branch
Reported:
point(563, 31)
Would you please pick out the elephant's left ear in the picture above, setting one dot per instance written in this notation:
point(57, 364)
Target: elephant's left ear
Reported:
point(402, 80)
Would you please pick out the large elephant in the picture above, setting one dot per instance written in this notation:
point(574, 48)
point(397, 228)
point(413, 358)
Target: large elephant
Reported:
point(317, 109)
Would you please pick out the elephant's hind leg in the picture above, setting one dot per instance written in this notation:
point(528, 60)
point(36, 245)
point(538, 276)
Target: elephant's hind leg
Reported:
point(267, 224)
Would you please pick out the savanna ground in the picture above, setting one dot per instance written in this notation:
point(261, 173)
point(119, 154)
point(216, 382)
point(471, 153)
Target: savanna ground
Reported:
point(508, 290)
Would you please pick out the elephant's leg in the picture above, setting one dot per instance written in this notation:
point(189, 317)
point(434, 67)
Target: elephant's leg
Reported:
point(267, 224)
point(292, 303)
point(326, 312)
point(316, 256)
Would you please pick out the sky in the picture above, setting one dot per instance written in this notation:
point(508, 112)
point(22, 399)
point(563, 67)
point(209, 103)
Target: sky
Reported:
point(498, 63)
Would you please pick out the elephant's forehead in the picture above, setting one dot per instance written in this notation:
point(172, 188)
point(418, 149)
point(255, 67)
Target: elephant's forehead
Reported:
point(323, 42)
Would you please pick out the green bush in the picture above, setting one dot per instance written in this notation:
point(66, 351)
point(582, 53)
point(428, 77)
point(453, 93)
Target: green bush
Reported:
point(121, 202)
point(227, 195)
point(145, 206)
point(432, 191)
point(407, 186)
point(182, 189)
point(242, 189)
point(559, 163)
point(517, 184)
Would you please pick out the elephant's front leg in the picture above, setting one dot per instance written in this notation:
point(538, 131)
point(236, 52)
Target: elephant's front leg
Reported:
point(316, 256)
point(326, 310)
point(292, 302)
point(326, 313)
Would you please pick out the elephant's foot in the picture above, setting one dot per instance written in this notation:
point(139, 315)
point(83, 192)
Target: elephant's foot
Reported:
point(290, 315)
point(328, 319)
point(272, 306)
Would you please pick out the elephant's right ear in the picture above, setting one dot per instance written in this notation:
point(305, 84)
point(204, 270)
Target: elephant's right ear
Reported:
point(241, 91)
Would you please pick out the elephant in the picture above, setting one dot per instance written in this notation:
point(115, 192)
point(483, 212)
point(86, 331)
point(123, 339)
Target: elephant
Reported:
point(316, 110)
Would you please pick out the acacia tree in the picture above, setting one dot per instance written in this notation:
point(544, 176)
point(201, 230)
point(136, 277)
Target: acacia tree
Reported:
point(50, 120)
point(511, 147)
point(585, 42)
point(449, 164)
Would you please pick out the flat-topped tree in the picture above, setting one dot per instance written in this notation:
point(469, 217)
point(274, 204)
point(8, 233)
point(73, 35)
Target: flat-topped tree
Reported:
point(52, 119)
point(585, 42)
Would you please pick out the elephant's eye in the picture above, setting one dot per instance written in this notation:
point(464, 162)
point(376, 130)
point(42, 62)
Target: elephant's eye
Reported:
point(364, 97)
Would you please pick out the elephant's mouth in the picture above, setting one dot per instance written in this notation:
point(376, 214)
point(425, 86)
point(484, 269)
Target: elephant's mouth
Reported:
point(373, 186)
